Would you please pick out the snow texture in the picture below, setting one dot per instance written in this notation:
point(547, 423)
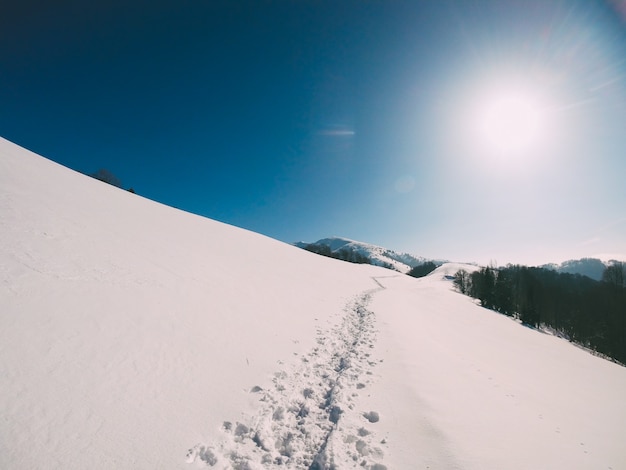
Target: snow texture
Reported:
point(308, 416)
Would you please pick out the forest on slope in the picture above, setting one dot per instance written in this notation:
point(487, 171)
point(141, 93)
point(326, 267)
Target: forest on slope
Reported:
point(587, 312)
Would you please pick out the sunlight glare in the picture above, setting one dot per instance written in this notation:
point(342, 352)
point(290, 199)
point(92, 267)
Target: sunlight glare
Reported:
point(510, 123)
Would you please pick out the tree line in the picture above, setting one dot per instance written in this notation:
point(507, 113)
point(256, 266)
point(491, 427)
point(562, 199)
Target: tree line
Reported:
point(343, 254)
point(587, 312)
point(423, 269)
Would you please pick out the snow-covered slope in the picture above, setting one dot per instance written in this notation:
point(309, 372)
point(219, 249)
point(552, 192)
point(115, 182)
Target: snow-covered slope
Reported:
point(129, 331)
point(377, 255)
point(136, 336)
point(479, 391)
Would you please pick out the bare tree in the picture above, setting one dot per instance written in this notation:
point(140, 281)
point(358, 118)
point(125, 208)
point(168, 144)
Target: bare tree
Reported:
point(105, 175)
point(615, 274)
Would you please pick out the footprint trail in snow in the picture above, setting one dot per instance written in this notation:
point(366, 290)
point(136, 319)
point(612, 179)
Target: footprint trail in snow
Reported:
point(309, 417)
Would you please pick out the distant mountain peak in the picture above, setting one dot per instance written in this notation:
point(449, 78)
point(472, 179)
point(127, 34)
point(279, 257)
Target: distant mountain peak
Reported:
point(356, 251)
point(590, 267)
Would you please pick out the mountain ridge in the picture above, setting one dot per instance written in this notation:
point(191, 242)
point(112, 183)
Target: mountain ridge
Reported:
point(590, 267)
point(342, 248)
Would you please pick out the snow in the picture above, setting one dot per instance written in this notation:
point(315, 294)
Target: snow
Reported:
point(134, 335)
point(488, 392)
point(129, 330)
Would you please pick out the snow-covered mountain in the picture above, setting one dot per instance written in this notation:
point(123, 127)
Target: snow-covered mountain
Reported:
point(134, 335)
point(376, 255)
point(590, 267)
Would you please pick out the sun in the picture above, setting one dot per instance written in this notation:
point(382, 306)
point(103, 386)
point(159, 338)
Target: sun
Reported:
point(510, 122)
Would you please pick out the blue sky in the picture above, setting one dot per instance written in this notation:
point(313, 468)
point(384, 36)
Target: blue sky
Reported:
point(364, 119)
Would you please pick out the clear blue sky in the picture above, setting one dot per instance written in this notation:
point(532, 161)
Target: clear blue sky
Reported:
point(364, 119)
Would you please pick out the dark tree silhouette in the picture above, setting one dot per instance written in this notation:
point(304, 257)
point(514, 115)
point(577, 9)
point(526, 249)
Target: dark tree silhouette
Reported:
point(462, 280)
point(615, 274)
point(343, 254)
point(422, 270)
point(105, 175)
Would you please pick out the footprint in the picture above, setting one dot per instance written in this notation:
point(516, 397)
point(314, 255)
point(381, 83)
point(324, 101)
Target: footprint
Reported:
point(302, 414)
point(372, 416)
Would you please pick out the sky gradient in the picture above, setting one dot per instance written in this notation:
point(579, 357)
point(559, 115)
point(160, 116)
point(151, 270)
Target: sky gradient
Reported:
point(307, 119)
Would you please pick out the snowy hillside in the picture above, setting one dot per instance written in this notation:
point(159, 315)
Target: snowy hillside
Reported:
point(377, 255)
point(129, 331)
point(137, 336)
